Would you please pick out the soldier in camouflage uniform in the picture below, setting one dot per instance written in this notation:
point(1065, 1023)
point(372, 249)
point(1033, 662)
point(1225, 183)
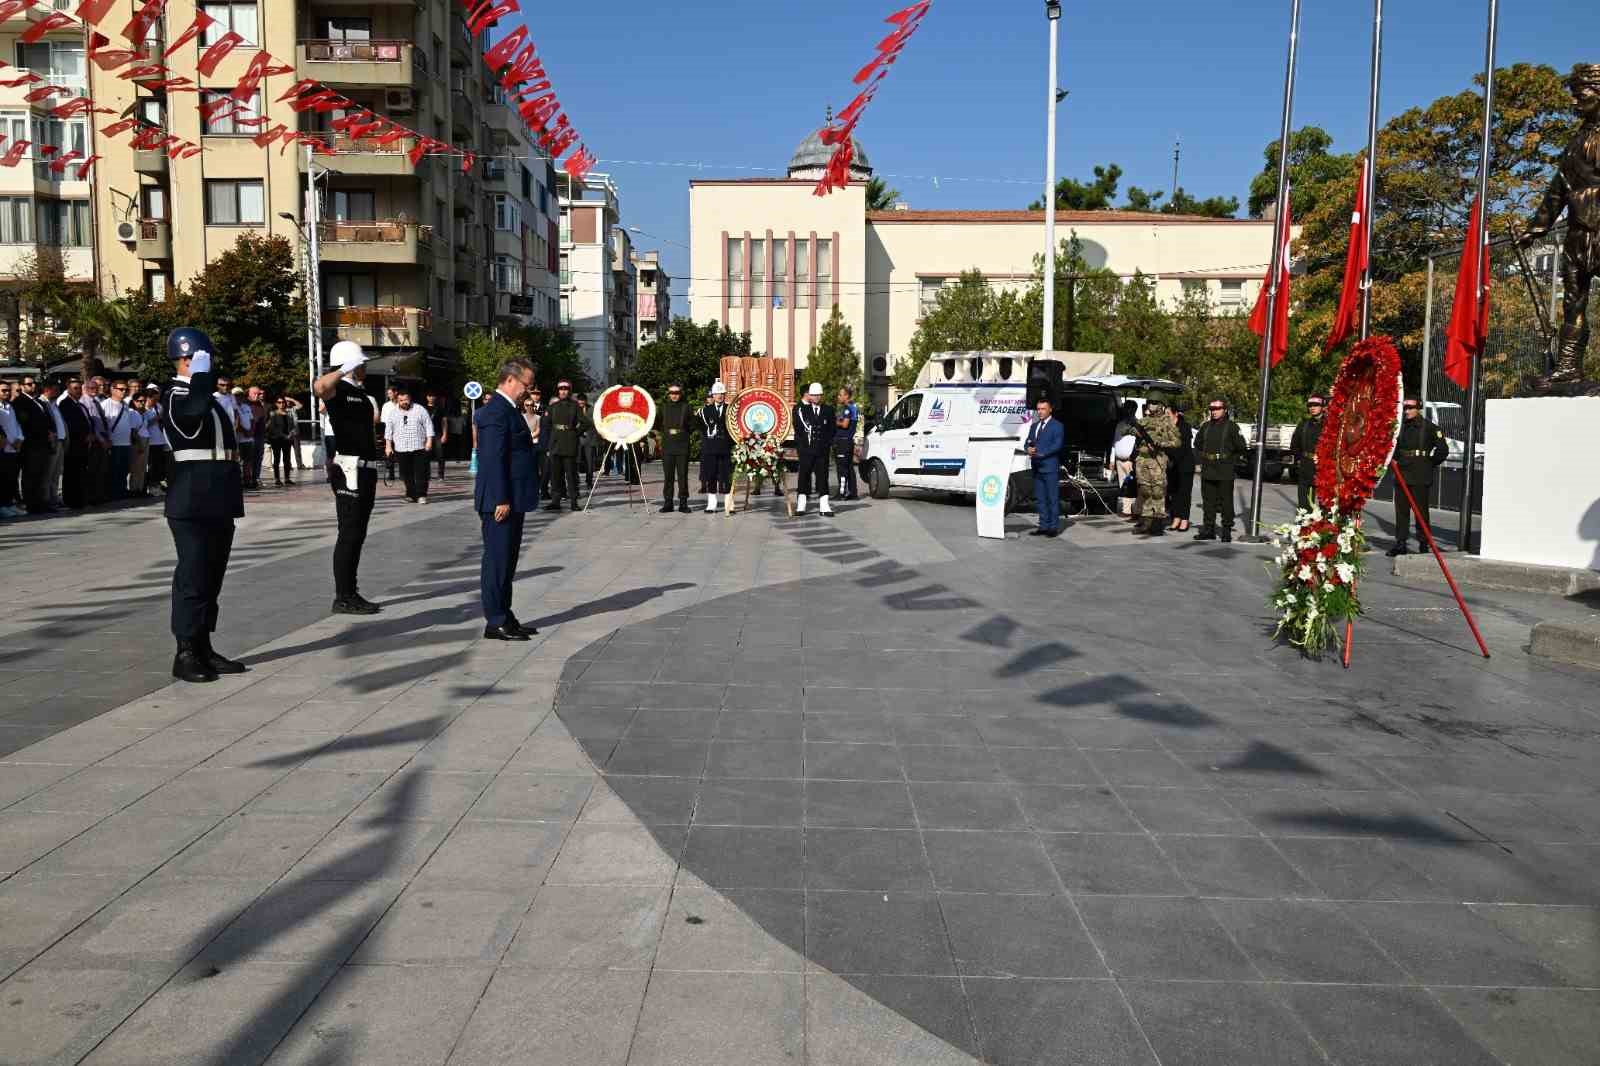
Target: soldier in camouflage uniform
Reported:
point(1156, 434)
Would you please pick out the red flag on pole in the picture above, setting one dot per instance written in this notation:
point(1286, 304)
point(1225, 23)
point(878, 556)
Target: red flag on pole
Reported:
point(1258, 317)
point(1347, 319)
point(1469, 318)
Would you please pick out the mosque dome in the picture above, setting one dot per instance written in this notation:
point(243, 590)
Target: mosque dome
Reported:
point(810, 160)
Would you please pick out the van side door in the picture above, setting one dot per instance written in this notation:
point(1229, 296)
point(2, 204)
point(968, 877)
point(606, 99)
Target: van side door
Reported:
point(894, 444)
point(942, 432)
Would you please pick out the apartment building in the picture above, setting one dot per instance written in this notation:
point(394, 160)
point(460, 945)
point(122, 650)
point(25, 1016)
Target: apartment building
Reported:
point(597, 287)
point(654, 300)
point(46, 220)
point(411, 256)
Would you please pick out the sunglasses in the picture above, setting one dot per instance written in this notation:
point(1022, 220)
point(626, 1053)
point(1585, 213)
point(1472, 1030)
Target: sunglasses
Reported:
point(1217, 408)
point(1413, 407)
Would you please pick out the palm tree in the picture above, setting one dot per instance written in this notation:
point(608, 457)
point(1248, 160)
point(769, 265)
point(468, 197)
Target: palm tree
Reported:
point(879, 196)
point(92, 324)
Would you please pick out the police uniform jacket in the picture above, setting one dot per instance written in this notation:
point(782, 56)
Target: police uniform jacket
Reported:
point(844, 437)
point(1421, 447)
point(1218, 447)
point(204, 483)
point(566, 425)
point(674, 419)
point(714, 424)
point(813, 432)
point(1304, 446)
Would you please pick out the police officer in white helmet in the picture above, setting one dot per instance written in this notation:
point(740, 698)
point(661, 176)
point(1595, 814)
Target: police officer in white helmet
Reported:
point(352, 467)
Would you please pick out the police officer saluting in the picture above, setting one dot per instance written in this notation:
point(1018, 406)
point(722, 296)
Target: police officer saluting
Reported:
point(1419, 450)
point(1218, 445)
point(1304, 446)
point(205, 494)
point(813, 441)
point(716, 447)
point(352, 469)
point(673, 419)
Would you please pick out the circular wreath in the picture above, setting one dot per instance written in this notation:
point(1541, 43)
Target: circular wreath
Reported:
point(1363, 422)
point(758, 412)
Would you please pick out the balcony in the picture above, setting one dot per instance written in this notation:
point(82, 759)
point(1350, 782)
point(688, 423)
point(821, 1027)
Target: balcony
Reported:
point(154, 240)
point(151, 163)
point(378, 64)
point(364, 155)
point(381, 327)
point(383, 242)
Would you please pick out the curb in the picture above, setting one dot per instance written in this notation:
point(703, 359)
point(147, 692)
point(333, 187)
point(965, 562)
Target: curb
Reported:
point(1567, 642)
point(1475, 572)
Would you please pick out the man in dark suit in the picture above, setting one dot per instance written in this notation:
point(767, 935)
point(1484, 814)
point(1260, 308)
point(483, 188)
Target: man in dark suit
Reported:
point(205, 493)
point(507, 488)
point(813, 444)
point(80, 439)
point(1045, 441)
point(38, 444)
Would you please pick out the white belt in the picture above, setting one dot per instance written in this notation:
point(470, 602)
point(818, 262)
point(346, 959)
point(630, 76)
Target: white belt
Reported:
point(198, 455)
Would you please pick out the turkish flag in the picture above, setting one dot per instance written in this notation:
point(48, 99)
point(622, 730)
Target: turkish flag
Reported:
point(1347, 319)
point(1469, 318)
point(1258, 317)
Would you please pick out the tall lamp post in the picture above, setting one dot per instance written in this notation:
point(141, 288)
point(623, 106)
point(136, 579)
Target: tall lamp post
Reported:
point(1052, 12)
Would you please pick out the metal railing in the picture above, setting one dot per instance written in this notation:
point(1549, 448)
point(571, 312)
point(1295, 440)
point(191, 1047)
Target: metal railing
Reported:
point(386, 231)
point(378, 317)
point(344, 144)
point(150, 228)
point(338, 51)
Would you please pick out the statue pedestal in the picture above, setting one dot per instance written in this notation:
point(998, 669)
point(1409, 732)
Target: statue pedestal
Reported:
point(1541, 482)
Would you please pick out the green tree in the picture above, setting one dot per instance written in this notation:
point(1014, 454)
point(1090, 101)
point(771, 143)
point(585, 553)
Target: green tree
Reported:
point(970, 315)
point(1074, 195)
point(93, 325)
point(142, 340)
point(879, 196)
point(689, 355)
point(482, 353)
point(1314, 172)
point(834, 360)
point(556, 357)
point(1211, 207)
point(251, 293)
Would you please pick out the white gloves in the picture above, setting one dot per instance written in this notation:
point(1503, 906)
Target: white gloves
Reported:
point(200, 362)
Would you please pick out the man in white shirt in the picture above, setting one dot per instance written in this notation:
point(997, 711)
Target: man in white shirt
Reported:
point(10, 455)
point(155, 469)
point(389, 404)
point(122, 421)
point(97, 475)
point(408, 440)
point(51, 391)
point(244, 419)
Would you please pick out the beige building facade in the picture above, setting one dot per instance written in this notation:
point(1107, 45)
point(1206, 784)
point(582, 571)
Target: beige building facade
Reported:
point(770, 258)
point(653, 301)
point(411, 256)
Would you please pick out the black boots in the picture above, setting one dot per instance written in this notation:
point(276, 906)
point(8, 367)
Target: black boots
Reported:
point(354, 604)
point(190, 665)
point(1206, 533)
point(220, 664)
point(1226, 536)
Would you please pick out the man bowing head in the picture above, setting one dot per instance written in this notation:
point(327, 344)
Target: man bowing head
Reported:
point(505, 491)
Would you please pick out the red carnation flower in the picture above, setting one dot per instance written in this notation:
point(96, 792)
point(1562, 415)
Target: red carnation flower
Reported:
point(1329, 550)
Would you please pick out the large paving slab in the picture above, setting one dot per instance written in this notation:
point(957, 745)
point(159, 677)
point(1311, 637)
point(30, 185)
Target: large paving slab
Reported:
point(860, 791)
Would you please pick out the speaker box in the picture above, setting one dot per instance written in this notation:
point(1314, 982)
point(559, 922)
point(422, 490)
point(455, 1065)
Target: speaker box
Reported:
point(1044, 382)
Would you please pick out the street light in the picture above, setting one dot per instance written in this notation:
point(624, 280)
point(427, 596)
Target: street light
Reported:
point(1052, 12)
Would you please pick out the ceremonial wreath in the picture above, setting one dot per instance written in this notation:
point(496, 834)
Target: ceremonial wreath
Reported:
point(756, 457)
point(1319, 563)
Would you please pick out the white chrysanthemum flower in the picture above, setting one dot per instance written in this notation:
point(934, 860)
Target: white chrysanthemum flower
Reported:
point(1347, 573)
point(1304, 573)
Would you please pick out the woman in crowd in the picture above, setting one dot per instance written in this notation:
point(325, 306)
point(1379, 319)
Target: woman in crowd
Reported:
point(1180, 475)
point(533, 415)
point(280, 435)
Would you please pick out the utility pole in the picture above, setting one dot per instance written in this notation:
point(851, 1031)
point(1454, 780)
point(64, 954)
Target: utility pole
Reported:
point(1052, 11)
point(313, 287)
point(1177, 150)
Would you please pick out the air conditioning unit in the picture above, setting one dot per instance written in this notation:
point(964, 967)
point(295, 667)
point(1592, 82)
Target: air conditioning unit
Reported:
point(400, 101)
point(127, 231)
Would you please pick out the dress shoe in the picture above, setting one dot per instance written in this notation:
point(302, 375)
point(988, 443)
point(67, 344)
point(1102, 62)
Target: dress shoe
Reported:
point(1052, 533)
point(220, 664)
point(1156, 529)
point(189, 665)
point(1037, 532)
point(1398, 549)
point(354, 605)
point(683, 506)
point(1206, 534)
point(515, 623)
point(553, 507)
point(666, 508)
point(1226, 536)
point(503, 633)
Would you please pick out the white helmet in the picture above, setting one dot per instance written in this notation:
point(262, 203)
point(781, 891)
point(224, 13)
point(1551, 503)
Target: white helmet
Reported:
point(346, 355)
point(718, 389)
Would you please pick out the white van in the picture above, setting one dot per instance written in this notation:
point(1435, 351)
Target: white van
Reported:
point(924, 440)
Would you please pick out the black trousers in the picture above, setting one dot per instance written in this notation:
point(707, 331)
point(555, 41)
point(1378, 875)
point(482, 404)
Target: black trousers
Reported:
point(353, 505)
point(36, 474)
point(716, 472)
point(502, 545)
point(1216, 499)
point(10, 478)
point(1180, 488)
point(155, 466)
point(844, 465)
point(414, 467)
point(813, 467)
point(544, 463)
point(281, 464)
point(97, 475)
point(675, 470)
point(74, 474)
point(564, 478)
point(1402, 513)
point(203, 549)
point(1303, 495)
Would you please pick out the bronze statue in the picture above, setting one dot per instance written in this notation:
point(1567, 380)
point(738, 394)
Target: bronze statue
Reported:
point(1575, 189)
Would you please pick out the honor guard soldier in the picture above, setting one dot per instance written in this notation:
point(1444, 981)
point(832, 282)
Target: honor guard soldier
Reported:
point(565, 429)
point(1418, 452)
point(716, 447)
point(352, 468)
point(1304, 446)
point(1218, 445)
point(205, 494)
point(813, 440)
point(673, 418)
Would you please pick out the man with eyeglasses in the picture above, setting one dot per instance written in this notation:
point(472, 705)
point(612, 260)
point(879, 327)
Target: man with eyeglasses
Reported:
point(1218, 446)
point(1418, 452)
point(38, 445)
point(80, 442)
point(1304, 446)
point(408, 440)
point(120, 424)
point(673, 425)
point(97, 477)
point(10, 455)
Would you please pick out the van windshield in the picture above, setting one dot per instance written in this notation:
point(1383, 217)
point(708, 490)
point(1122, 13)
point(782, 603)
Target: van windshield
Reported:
point(904, 414)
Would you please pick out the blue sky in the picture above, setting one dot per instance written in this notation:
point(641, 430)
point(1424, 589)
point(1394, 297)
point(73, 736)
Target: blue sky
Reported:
point(737, 85)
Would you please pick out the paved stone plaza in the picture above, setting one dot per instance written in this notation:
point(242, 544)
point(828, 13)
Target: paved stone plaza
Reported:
point(868, 791)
